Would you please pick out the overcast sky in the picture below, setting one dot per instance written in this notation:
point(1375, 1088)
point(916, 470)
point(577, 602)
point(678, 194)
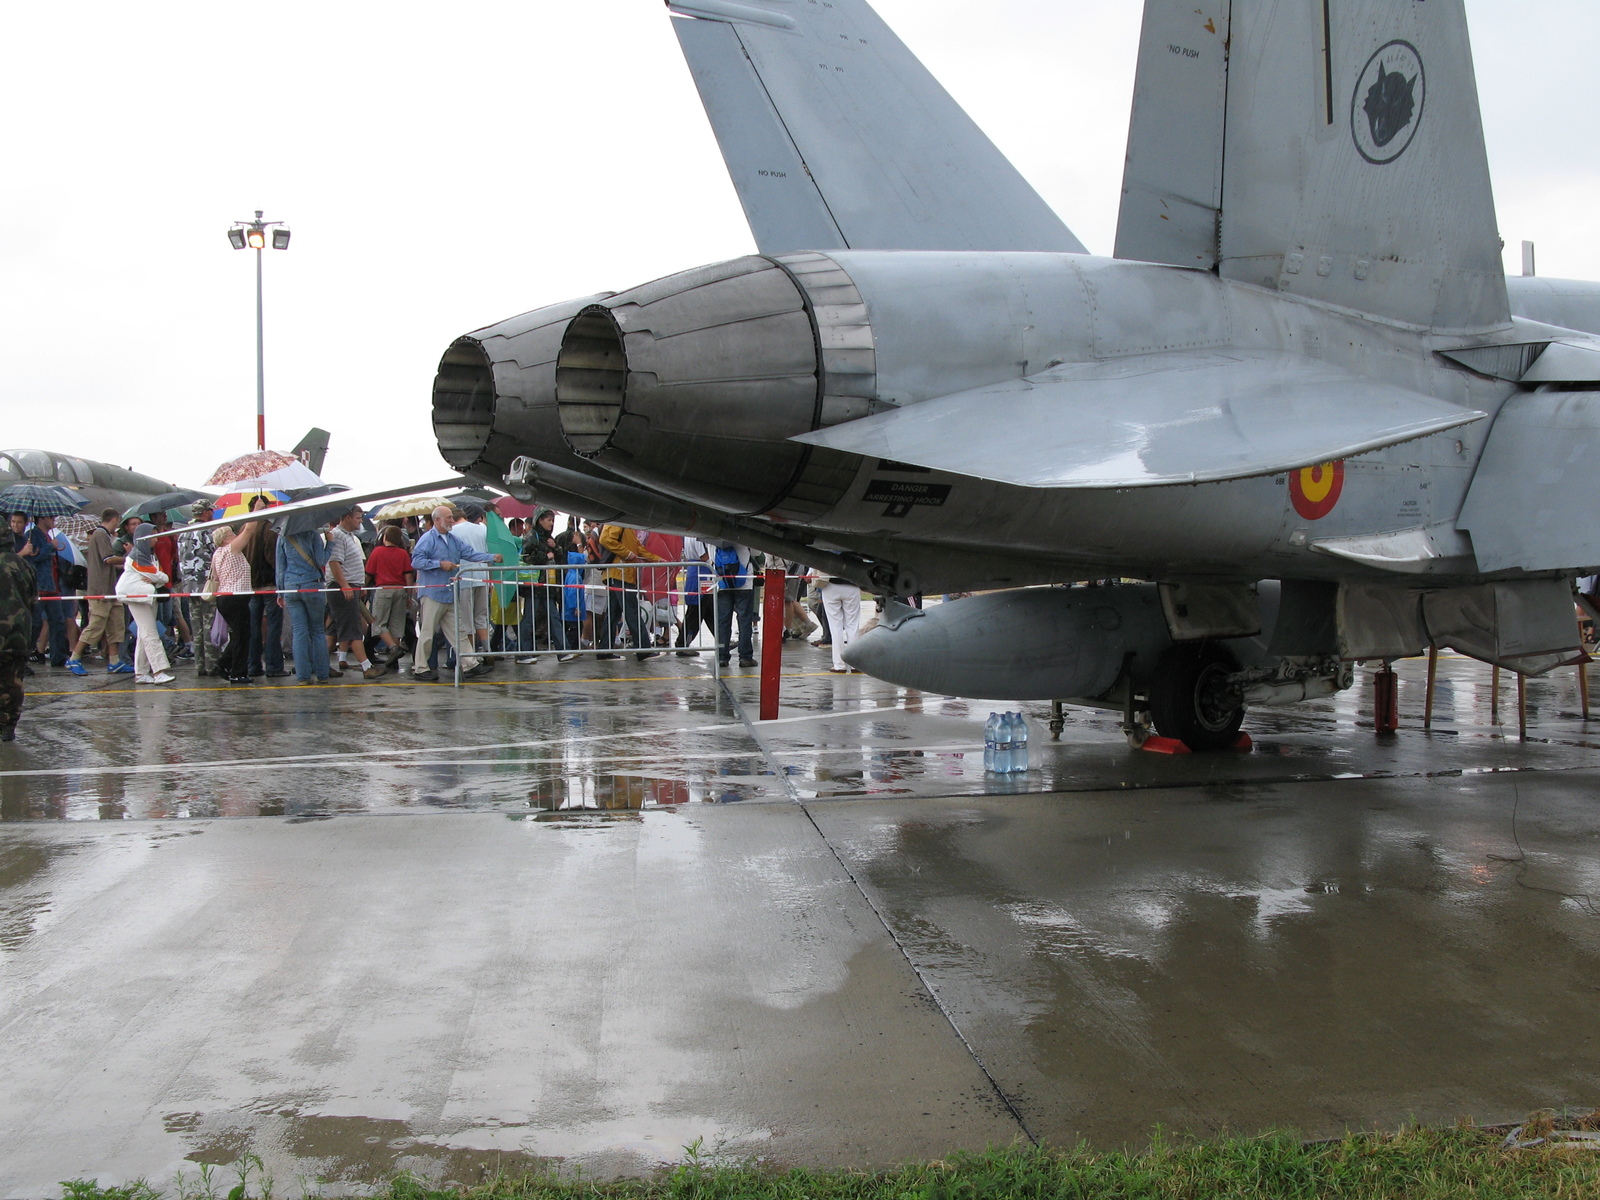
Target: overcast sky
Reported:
point(445, 166)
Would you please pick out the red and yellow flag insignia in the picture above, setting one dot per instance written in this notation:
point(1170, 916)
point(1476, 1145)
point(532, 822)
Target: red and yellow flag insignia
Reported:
point(1315, 490)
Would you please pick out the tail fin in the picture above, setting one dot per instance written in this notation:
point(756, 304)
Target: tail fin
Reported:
point(838, 138)
point(313, 448)
point(1345, 163)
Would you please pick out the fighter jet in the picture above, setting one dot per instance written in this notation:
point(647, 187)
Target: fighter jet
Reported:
point(105, 485)
point(1300, 401)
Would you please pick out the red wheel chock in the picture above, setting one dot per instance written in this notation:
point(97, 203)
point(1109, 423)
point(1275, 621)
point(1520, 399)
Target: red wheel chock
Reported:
point(1156, 744)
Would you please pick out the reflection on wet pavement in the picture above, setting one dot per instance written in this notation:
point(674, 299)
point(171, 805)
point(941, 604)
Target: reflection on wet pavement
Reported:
point(827, 939)
point(592, 739)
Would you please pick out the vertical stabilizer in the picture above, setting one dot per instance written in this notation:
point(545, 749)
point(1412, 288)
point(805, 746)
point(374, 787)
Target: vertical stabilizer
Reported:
point(836, 137)
point(312, 449)
point(1172, 184)
point(1354, 169)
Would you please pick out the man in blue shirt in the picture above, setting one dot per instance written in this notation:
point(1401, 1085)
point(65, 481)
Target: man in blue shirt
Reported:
point(436, 557)
point(37, 549)
point(302, 558)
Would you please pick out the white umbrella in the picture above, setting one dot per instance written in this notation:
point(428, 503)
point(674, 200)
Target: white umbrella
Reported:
point(284, 479)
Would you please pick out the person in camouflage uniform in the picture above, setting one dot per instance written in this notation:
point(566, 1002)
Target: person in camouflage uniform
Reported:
point(18, 592)
point(194, 568)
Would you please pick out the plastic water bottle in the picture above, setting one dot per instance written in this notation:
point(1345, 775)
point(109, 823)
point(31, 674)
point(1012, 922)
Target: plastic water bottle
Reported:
point(1002, 748)
point(991, 742)
point(1019, 744)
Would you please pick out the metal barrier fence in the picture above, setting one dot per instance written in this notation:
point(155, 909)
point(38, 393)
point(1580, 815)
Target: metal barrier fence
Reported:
point(552, 609)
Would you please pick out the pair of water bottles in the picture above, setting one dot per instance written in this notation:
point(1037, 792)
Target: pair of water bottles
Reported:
point(1005, 744)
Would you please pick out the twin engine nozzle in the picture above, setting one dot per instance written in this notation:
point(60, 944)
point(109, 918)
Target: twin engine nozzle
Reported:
point(690, 385)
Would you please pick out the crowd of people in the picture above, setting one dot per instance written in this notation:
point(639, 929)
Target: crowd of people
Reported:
point(408, 595)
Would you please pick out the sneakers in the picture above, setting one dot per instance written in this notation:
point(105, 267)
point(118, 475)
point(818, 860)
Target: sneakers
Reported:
point(144, 678)
point(608, 655)
point(336, 668)
point(120, 668)
point(560, 658)
point(161, 678)
point(687, 653)
point(376, 671)
point(644, 654)
point(278, 674)
point(76, 667)
point(747, 662)
point(186, 650)
point(528, 660)
point(424, 674)
point(482, 667)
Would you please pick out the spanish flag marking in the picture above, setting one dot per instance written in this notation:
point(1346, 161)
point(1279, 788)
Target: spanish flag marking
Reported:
point(1315, 490)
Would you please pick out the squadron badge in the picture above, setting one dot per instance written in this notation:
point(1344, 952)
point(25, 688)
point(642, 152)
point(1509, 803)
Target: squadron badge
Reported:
point(1386, 106)
point(1315, 490)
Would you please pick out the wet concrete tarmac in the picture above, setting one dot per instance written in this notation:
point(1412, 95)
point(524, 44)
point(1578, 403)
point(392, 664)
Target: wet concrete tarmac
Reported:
point(591, 916)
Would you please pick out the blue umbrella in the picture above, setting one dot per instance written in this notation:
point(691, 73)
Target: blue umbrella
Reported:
point(42, 500)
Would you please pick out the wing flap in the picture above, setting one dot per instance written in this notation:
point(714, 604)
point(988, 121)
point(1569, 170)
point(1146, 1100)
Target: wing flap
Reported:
point(1151, 420)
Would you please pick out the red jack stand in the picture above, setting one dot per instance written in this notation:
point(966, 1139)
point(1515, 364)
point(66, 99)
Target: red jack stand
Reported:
point(1242, 744)
point(1156, 744)
point(1386, 700)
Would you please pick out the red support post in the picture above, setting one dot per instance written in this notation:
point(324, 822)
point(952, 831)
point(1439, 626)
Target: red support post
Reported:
point(1386, 700)
point(771, 642)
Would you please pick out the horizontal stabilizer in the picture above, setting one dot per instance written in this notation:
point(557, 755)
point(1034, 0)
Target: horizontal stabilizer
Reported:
point(1152, 420)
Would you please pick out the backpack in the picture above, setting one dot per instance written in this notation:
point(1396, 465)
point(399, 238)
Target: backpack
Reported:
point(728, 568)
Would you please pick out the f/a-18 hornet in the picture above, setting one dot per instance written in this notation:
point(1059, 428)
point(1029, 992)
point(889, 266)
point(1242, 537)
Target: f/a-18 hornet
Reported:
point(1302, 400)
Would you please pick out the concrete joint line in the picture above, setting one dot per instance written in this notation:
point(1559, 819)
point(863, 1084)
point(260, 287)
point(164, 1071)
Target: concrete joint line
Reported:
point(927, 986)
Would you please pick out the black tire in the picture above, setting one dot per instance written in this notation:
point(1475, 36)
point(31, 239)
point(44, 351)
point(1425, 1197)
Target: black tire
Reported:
point(1188, 701)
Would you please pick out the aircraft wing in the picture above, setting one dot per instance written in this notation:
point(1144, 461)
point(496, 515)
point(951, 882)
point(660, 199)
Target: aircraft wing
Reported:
point(1151, 420)
point(836, 137)
point(325, 500)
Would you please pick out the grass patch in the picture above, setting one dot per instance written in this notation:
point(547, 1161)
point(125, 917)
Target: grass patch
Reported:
point(1411, 1164)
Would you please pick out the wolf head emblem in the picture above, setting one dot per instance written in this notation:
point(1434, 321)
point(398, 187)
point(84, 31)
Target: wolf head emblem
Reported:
point(1389, 105)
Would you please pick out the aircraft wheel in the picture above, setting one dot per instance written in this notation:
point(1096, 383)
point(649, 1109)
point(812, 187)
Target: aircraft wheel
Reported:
point(1190, 700)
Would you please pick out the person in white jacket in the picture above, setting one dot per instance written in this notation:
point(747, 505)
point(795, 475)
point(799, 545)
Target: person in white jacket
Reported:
point(136, 587)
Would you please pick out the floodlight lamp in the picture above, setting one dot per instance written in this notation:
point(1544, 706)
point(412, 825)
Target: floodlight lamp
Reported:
point(257, 238)
point(236, 238)
point(280, 239)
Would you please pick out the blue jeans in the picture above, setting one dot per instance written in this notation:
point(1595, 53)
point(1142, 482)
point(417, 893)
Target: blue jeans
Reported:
point(306, 612)
point(729, 602)
point(266, 606)
point(541, 627)
point(55, 613)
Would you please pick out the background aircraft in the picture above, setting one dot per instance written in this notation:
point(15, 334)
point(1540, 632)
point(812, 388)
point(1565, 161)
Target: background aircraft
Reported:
point(1303, 365)
point(108, 486)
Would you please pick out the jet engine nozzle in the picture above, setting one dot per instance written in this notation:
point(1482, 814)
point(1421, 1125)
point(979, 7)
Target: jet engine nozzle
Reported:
point(694, 384)
point(1033, 644)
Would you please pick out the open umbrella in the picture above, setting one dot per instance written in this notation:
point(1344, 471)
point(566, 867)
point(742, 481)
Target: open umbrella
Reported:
point(42, 500)
point(250, 466)
point(419, 506)
point(237, 504)
point(169, 502)
point(306, 519)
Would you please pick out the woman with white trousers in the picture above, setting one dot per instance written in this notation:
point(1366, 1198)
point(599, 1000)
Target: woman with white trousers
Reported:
point(137, 587)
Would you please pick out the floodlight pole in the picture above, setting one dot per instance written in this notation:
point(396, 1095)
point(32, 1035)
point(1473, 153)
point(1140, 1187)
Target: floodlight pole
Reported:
point(254, 235)
point(261, 356)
